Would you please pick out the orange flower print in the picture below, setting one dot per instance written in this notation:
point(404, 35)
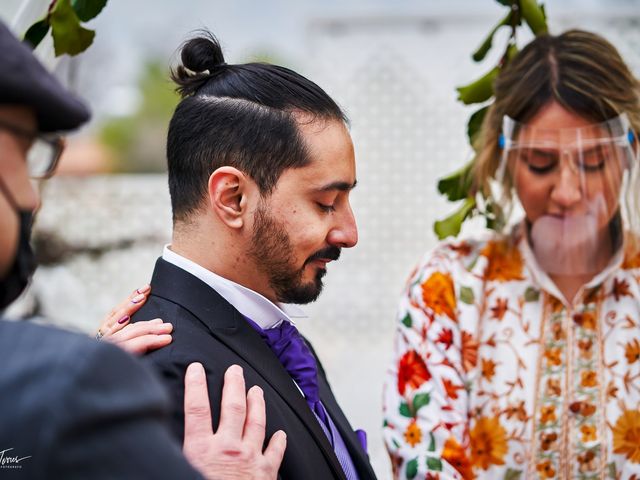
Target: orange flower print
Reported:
point(412, 372)
point(556, 305)
point(548, 414)
point(586, 320)
point(585, 409)
point(620, 289)
point(439, 295)
point(413, 434)
point(548, 441)
point(469, 351)
point(499, 309)
point(626, 435)
point(462, 248)
point(612, 390)
point(588, 379)
point(591, 295)
point(488, 369)
point(632, 351)
point(451, 389)
point(518, 411)
point(588, 433)
point(553, 387)
point(454, 455)
point(587, 461)
point(488, 443)
point(585, 346)
point(505, 262)
point(553, 356)
point(546, 469)
point(558, 331)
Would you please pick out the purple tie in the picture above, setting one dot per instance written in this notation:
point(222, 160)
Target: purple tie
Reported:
point(295, 356)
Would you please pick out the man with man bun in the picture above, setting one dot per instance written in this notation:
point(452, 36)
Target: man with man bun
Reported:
point(261, 165)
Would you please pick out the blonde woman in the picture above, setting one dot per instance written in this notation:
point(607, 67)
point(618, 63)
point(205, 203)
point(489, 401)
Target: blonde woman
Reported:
point(517, 353)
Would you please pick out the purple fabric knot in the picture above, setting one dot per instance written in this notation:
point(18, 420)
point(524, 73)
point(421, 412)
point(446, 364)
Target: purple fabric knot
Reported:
point(295, 356)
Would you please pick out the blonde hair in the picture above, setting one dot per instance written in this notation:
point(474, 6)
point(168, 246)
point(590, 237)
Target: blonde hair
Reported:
point(579, 70)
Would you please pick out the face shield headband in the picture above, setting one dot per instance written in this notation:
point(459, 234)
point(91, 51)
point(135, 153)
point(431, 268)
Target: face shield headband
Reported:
point(573, 185)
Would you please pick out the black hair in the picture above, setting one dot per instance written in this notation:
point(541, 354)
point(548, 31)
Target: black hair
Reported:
point(243, 115)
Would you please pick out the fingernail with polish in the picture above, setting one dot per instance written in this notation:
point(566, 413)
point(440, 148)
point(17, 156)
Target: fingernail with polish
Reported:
point(124, 319)
point(137, 298)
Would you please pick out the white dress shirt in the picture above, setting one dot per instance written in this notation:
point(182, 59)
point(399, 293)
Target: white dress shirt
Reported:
point(259, 309)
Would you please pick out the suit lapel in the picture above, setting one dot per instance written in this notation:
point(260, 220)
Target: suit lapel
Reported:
point(229, 327)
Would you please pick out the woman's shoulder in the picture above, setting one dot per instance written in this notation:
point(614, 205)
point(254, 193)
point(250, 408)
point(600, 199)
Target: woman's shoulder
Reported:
point(463, 251)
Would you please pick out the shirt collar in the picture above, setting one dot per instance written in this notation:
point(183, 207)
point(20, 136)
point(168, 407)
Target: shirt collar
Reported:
point(251, 304)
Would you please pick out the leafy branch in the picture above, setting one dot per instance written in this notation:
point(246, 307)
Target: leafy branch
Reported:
point(457, 186)
point(63, 18)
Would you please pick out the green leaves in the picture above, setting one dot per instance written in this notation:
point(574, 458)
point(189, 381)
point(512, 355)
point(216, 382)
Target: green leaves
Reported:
point(68, 35)
point(406, 321)
point(512, 474)
point(412, 468)
point(420, 400)
point(88, 9)
point(457, 186)
point(466, 295)
point(432, 442)
point(37, 32)
point(451, 225)
point(475, 123)
point(434, 463)
point(405, 411)
point(531, 295)
point(63, 19)
point(484, 48)
point(534, 15)
point(480, 89)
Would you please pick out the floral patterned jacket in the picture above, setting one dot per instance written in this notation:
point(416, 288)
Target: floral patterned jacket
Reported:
point(496, 376)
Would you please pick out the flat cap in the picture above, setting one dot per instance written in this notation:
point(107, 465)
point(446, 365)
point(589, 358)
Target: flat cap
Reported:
point(25, 81)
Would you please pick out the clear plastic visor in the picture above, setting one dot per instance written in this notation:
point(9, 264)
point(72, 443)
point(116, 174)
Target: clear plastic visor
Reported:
point(571, 184)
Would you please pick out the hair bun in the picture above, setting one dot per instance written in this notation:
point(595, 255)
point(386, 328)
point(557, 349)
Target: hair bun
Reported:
point(201, 56)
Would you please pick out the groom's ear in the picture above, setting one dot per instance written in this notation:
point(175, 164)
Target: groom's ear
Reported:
point(227, 190)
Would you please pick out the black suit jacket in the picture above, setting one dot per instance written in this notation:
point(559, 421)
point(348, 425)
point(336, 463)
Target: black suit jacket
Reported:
point(81, 409)
point(206, 328)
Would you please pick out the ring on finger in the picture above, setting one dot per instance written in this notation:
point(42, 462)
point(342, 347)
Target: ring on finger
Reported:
point(99, 335)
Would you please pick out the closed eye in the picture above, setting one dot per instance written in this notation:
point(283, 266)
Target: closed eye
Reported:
point(540, 162)
point(541, 170)
point(326, 208)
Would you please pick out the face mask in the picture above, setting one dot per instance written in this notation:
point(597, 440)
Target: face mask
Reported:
point(24, 264)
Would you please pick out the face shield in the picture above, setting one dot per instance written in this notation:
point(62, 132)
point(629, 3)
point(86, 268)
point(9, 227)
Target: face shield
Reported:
point(572, 184)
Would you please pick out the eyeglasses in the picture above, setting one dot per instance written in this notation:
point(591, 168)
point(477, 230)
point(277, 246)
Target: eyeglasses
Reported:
point(44, 150)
